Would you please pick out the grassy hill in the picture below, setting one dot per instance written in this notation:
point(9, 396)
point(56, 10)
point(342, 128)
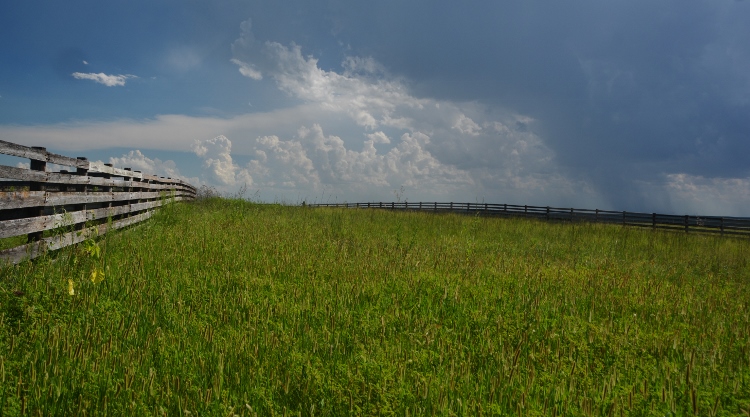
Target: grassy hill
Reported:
point(224, 307)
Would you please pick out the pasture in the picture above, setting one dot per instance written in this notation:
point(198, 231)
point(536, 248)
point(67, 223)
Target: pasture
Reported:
point(226, 307)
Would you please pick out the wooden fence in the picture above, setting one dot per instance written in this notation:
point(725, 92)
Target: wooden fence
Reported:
point(700, 224)
point(58, 209)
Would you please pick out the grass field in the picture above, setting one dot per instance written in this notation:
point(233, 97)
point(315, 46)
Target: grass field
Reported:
point(224, 307)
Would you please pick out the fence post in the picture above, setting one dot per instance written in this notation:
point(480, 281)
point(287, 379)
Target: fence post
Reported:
point(108, 189)
point(435, 207)
point(83, 188)
point(572, 214)
point(129, 191)
point(173, 189)
point(596, 215)
point(420, 206)
point(140, 189)
point(36, 165)
point(686, 223)
point(525, 211)
point(547, 213)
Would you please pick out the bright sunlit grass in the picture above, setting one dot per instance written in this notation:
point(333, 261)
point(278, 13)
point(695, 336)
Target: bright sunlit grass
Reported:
point(225, 307)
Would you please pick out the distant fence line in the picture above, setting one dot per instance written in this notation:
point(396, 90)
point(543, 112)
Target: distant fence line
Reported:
point(89, 200)
point(696, 224)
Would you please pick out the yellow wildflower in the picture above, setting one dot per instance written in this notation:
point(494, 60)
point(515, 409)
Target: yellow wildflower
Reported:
point(97, 275)
point(71, 291)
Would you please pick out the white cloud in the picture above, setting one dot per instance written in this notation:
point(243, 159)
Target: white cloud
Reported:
point(218, 164)
point(137, 161)
point(467, 126)
point(440, 142)
point(314, 162)
point(695, 194)
point(248, 70)
point(101, 78)
point(379, 137)
point(437, 148)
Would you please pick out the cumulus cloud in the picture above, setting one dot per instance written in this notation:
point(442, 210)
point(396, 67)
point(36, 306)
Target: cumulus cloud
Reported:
point(101, 78)
point(137, 161)
point(313, 162)
point(218, 165)
point(444, 146)
point(378, 137)
point(248, 70)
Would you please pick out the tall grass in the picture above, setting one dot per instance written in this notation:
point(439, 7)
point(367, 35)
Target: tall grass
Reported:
point(225, 307)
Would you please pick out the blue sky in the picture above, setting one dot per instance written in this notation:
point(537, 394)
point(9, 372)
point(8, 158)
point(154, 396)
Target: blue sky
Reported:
point(637, 105)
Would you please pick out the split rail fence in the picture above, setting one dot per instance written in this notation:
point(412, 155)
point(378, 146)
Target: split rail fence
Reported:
point(57, 209)
point(693, 224)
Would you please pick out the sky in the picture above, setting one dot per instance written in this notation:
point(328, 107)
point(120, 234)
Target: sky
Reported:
point(639, 105)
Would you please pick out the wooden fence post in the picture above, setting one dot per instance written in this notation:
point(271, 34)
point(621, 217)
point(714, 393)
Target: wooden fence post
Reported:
point(139, 189)
point(36, 165)
point(82, 188)
point(108, 189)
point(129, 191)
point(548, 213)
point(686, 223)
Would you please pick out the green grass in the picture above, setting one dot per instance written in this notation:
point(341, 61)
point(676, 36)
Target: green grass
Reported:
point(223, 307)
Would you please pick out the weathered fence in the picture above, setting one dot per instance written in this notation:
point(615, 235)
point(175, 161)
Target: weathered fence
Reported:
point(700, 224)
point(58, 209)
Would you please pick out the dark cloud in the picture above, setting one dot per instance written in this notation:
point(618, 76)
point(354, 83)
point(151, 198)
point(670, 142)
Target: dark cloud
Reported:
point(623, 92)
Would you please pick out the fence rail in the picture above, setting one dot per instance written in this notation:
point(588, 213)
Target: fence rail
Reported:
point(692, 224)
point(91, 199)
